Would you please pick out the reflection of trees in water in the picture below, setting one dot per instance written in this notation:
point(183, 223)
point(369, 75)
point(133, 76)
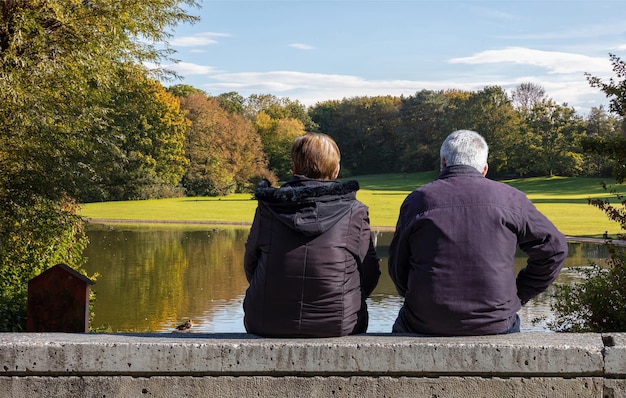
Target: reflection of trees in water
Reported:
point(216, 272)
point(155, 277)
point(581, 254)
point(150, 277)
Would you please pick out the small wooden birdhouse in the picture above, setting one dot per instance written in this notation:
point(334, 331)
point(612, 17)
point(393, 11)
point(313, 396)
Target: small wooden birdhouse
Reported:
point(58, 301)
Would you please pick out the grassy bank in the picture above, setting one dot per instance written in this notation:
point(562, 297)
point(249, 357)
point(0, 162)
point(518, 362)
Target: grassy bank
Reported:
point(562, 200)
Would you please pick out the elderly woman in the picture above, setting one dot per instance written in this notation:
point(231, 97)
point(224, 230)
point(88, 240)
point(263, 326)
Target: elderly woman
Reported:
point(309, 257)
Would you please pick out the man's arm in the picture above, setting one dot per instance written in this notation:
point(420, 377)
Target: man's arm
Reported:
point(546, 248)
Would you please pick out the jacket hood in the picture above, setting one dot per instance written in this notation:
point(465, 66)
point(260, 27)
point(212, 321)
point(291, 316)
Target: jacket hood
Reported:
point(308, 206)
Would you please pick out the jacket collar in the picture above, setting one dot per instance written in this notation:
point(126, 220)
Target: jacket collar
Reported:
point(300, 188)
point(459, 171)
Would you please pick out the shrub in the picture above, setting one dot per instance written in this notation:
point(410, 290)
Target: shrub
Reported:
point(598, 303)
point(34, 236)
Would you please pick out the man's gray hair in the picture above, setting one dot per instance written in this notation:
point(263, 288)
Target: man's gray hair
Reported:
point(465, 147)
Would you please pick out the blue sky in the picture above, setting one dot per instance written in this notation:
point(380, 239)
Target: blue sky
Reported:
point(312, 51)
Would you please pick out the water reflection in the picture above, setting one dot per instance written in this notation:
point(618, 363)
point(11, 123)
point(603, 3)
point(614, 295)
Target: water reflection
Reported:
point(154, 278)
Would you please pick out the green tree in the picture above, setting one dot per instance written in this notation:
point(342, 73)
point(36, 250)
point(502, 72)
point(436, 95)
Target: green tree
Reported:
point(601, 125)
point(145, 158)
point(232, 102)
point(598, 303)
point(278, 121)
point(277, 136)
point(613, 148)
point(277, 108)
point(60, 62)
point(422, 118)
point(490, 112)
point(614, 89)
point(183, 90)
point(558, 130)
point(366, 131)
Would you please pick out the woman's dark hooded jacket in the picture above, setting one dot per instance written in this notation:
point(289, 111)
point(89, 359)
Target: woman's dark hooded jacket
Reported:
point(310, 260)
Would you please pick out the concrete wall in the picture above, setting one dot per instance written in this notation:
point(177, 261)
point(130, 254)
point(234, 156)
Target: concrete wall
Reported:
point(372, 365)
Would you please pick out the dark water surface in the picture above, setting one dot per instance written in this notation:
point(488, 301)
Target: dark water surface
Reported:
point(152, 278)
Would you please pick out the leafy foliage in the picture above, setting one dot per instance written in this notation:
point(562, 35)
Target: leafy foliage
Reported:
point(598, 303)
point(615, 89)
point(224, 151)
point(277, 121)
point(612, 147)
point(598, 156)
point(276, 136)
point(61, 63)
point(367, 131)
point(389, 134)
point(140, 154)
point(557, 130)
point(33, 238)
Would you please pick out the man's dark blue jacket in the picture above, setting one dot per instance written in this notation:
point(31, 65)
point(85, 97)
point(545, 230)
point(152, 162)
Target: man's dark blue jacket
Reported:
point(452, 255)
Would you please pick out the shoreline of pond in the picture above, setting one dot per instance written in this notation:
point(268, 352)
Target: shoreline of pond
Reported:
point(244, 224)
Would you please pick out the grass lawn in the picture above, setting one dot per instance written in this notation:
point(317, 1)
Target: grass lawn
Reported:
point(562, 199)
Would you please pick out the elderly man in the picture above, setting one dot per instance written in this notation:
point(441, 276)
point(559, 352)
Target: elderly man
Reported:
point(452, 254)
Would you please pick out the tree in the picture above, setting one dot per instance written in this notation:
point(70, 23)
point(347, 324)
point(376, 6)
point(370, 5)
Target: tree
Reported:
point(143, 157)
point(231, 102)
point(527, 95)
point(422, 118)
point(366, 131)
point(60, 62)
point(613, 148)
point(490, 112)
point(558, 130)
point(600, 126)
point(277, 135)
point(224, 150)
point(278, 121)
point(598, 302)
point(183, 90)
point(615, 90)
point(278, 108)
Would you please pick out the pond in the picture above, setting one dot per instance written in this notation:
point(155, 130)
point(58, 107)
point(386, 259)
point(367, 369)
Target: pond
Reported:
point(152, 278)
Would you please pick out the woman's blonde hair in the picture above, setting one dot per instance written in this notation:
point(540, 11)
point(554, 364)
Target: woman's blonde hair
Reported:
point(315, 155)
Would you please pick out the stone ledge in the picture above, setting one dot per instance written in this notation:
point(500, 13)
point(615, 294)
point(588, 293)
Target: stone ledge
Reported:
point(145, 355)
point(615, 354)
point(311, 387)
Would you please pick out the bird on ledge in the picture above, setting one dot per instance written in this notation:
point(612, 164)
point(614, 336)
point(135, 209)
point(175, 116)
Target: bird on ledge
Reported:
point(184, 327)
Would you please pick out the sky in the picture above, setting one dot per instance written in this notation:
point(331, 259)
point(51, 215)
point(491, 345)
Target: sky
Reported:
point(314, 51)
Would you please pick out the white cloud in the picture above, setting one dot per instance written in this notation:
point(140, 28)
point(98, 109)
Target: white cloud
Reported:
point(199, 39)
point(578, 32)
point(493, 13)
point(563, 80)
point(301, 46)
point(310, 88)
point(553, 61)
point(186, 69)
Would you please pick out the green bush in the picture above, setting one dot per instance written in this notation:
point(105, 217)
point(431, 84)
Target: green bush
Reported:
point(34, 236)
point(598, 303)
